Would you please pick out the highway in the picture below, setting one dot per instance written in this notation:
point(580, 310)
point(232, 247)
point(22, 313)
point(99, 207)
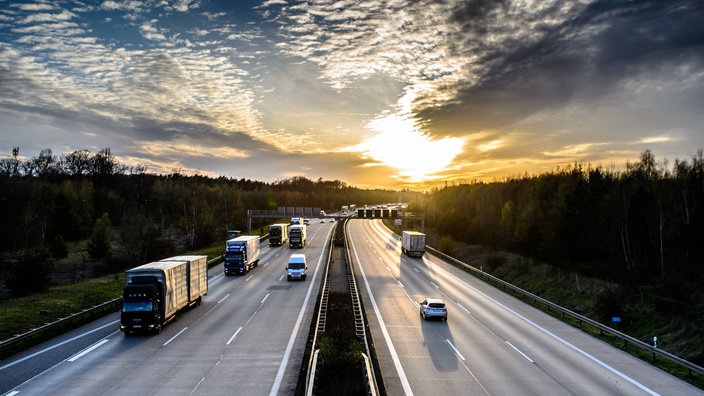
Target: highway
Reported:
point(247, 337)
point(492, 343)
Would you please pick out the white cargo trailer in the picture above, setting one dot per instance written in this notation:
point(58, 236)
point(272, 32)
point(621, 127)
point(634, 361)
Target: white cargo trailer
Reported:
point(413, 243)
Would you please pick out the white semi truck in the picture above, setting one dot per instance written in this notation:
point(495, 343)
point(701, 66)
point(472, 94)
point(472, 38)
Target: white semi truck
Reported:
point(155, 292)
point(413, 243)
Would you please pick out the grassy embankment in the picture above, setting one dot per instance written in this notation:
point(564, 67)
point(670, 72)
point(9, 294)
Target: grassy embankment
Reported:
point(19, 315)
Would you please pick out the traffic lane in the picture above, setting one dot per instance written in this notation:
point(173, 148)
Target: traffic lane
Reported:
point(498, 344)
point(437, 358)
point(565, 352)
point(419, 356)
point(572, 374)
point(270, 348)
point(22, 366)
point(215, 293)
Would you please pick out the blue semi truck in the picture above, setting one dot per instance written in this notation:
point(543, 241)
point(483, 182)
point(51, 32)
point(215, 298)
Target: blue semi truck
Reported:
point(241, 254)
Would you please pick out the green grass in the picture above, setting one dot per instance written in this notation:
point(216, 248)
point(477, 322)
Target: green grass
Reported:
point(19, 315)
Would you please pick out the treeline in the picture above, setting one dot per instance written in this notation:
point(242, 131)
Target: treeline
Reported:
point(642, 227)
point(49, 200)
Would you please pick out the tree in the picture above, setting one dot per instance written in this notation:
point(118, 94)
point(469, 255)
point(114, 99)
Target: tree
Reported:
point(99, 244)
point(78, 163)
point(31, 272)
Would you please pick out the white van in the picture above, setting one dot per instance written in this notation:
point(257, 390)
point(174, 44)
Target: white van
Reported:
point(297, 267)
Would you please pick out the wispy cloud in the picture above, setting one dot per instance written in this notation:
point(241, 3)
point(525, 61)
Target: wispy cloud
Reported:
point(485, 87)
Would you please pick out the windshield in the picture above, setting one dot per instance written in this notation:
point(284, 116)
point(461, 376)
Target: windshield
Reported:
point(237, 256)
point(296, 266)
point(136, 306)
point(275, 232)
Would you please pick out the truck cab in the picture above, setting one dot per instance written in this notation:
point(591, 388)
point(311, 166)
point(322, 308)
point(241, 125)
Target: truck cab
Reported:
point(141, 308)
point(296, 268)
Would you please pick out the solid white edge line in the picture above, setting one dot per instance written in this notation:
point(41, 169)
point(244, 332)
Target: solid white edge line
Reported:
point(394, 356)
point(284, 361)
point(174, 337)
point(457, 352)
point(86, 351)
point(233, 336)
point(57, 345)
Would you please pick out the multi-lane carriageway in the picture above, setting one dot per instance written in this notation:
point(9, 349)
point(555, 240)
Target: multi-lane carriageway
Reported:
point(248, 337)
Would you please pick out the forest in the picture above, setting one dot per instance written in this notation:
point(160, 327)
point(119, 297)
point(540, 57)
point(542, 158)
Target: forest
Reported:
point(641, 227)
point(130, 216)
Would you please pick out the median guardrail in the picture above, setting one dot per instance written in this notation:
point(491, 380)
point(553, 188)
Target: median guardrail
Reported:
point(627, 340)
point(320, 320)
point(371, 384)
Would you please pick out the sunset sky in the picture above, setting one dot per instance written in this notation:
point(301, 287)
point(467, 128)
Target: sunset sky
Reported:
point(393, 94)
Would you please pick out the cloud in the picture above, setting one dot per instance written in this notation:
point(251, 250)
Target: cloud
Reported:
point(64, 15)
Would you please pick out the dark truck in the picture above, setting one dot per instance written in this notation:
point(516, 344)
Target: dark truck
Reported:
point(278, 234)
point(297, 236)
point(156, 292)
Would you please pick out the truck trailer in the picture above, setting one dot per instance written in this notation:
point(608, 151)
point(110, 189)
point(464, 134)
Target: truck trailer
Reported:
point(241, 254)
point(155, 292)
point(297, 236)
point(413, 243)
point(278, 234)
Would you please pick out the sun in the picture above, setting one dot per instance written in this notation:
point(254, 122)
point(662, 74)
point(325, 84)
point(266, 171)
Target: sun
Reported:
point(399, 144)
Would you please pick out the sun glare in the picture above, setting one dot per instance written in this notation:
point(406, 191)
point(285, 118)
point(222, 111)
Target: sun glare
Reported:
point(400, 145)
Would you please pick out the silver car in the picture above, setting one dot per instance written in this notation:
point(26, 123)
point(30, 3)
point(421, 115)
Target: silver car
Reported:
point(433, 308)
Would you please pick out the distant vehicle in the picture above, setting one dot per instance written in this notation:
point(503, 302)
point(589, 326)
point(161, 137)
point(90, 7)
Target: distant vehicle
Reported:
point(433, 308)
point(155, 292)
point(413, 243)
point(278, 234)
point(344, 210)
point(297, 236)
point(241, 254)
point(306, 221)
point(296, 268)
point(322, 213)
point(295, 220)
